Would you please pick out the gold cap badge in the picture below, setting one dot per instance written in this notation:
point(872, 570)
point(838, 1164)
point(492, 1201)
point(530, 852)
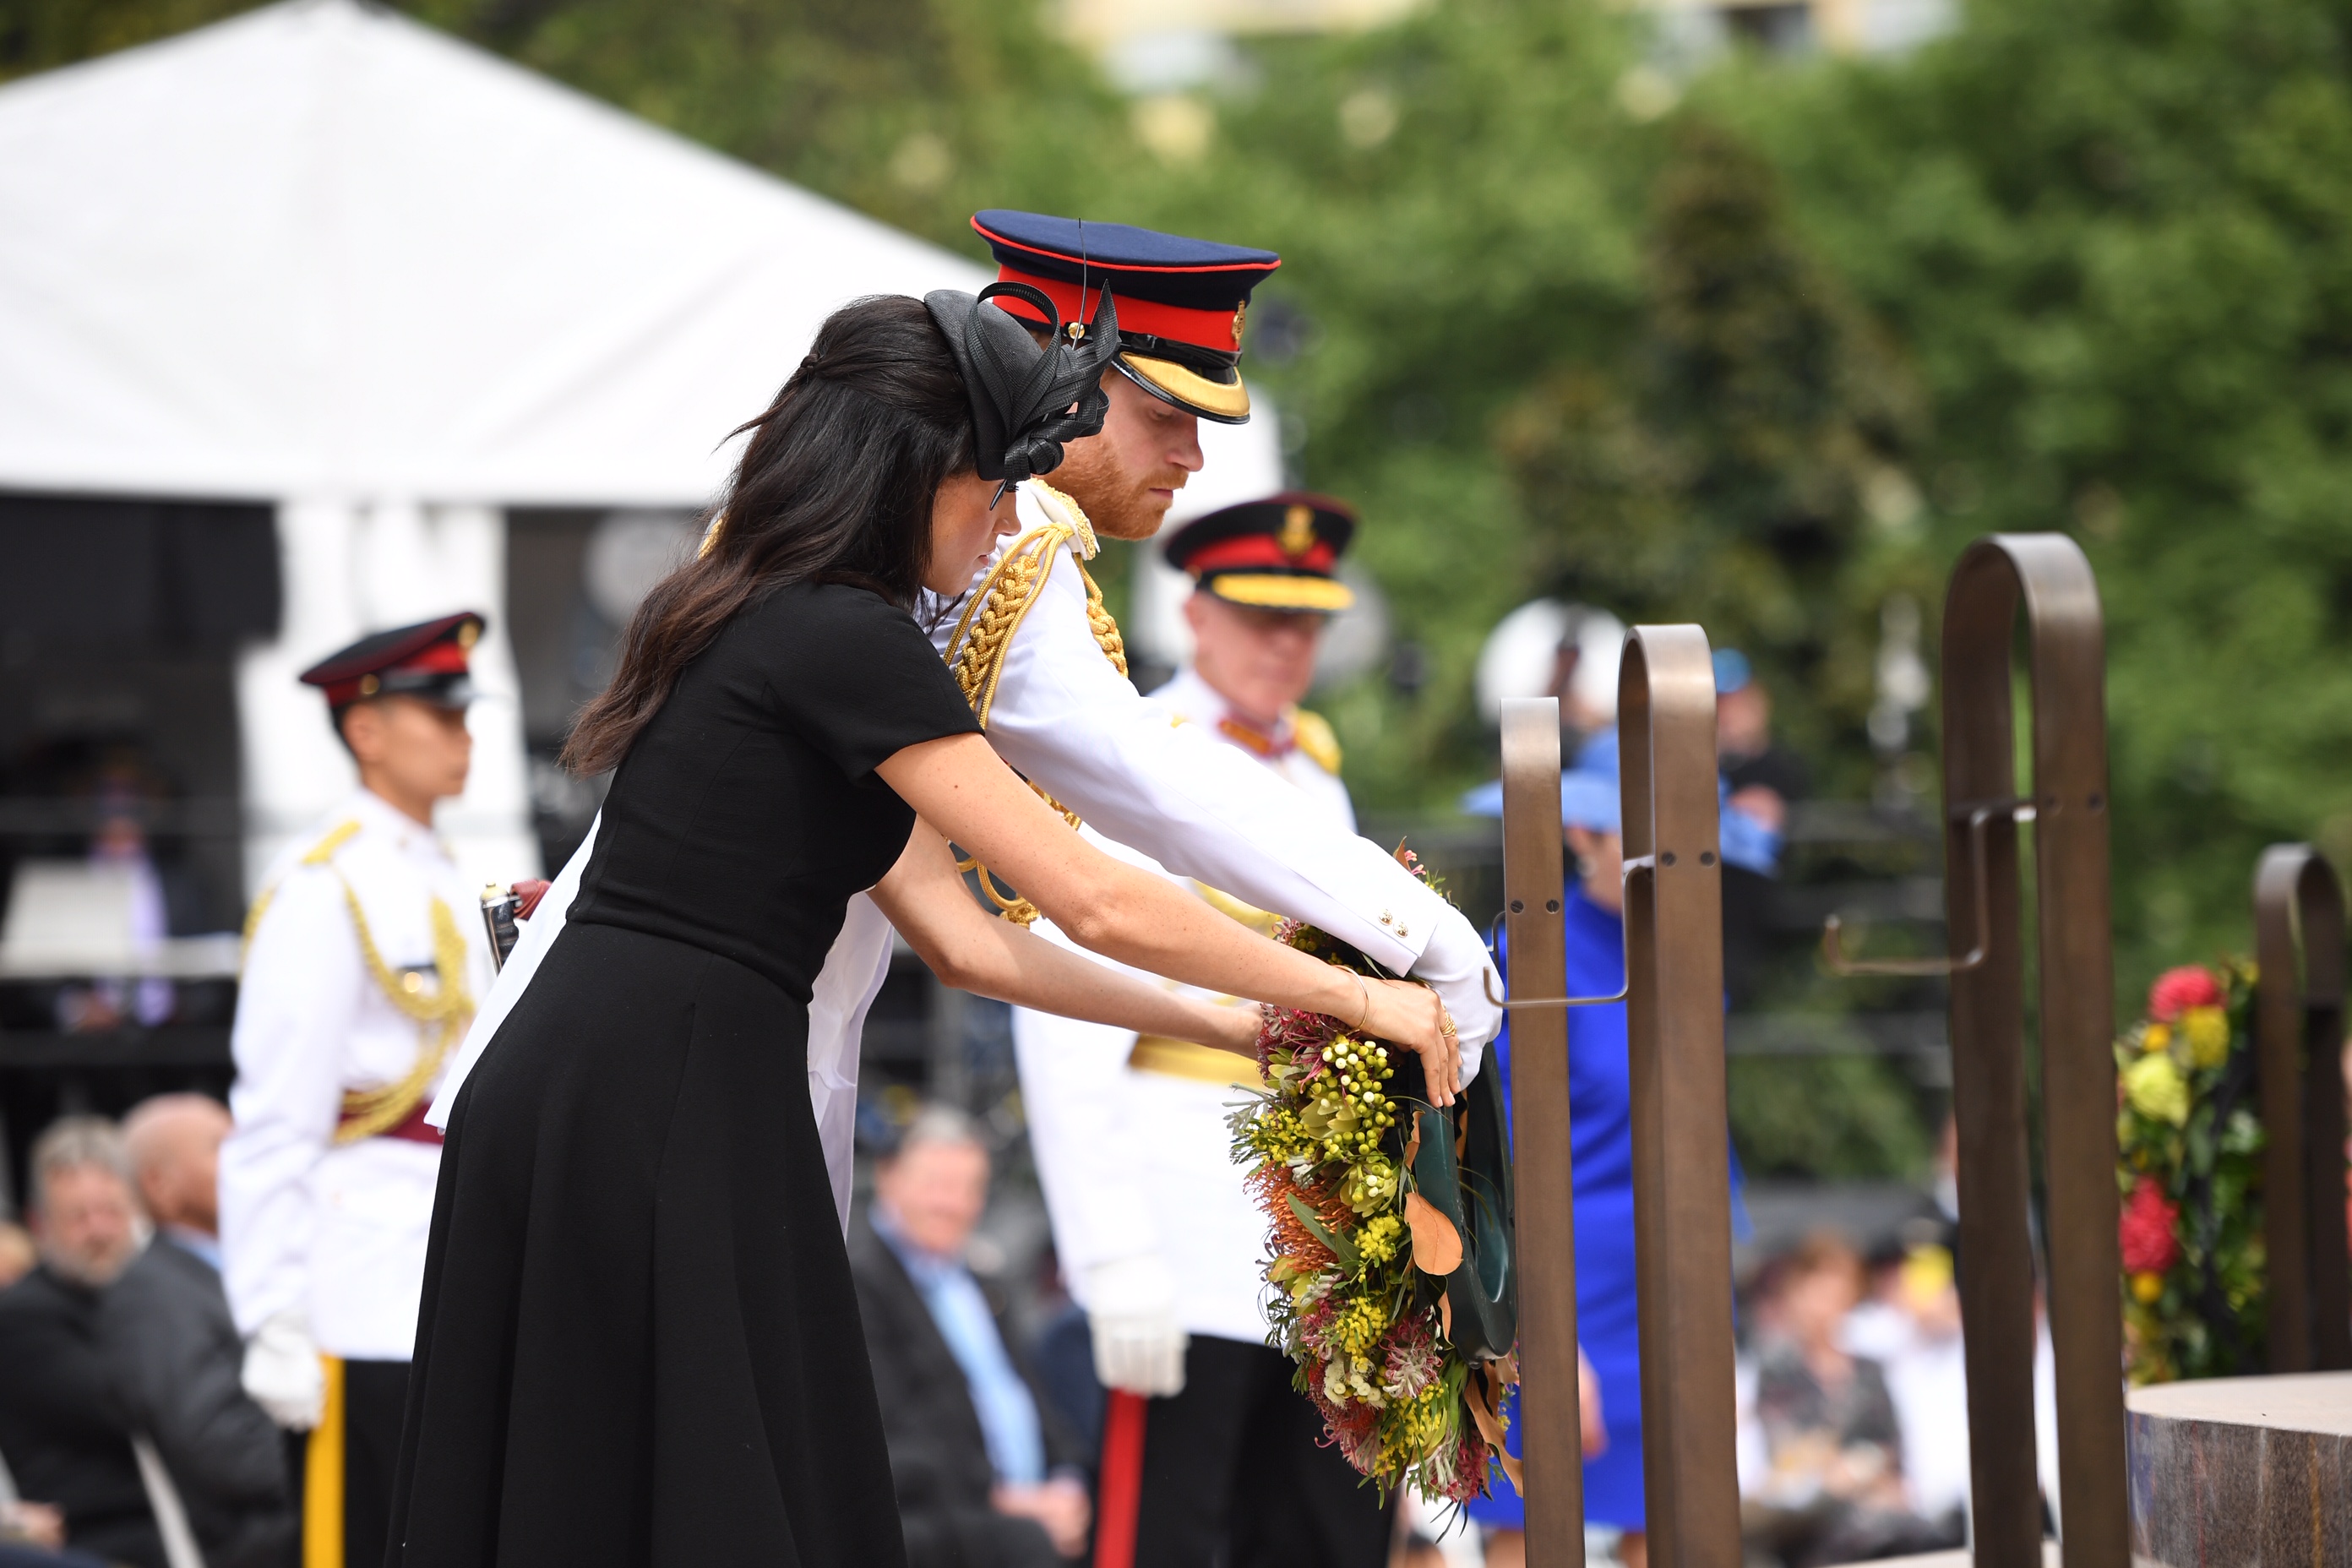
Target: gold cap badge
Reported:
point(1241, 316)
point(1298, 531)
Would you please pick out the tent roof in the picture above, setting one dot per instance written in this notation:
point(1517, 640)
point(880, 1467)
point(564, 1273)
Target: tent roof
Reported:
point(322, 250)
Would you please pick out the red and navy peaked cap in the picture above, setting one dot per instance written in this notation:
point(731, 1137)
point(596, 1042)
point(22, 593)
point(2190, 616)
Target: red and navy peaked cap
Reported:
point(427, 661)
point(1183, 303)
point(1279, 554)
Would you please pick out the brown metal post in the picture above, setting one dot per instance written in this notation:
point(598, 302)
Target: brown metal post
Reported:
point(1674, 1014)
point(2049, 575)
point(1551, 1439)
point(2299, 1038)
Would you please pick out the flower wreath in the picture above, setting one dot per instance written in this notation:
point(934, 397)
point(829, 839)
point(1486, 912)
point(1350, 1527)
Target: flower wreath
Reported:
point(1401, 1334)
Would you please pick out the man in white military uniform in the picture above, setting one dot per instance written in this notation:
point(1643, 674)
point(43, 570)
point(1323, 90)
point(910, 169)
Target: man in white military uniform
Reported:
point(1234, 1470)
point(1044, 668)
point(1045, 671)
point(364, 953)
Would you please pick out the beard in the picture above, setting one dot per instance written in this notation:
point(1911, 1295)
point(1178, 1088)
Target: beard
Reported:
point(1118, 500)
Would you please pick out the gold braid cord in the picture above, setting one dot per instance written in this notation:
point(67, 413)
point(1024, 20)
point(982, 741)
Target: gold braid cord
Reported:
point(985, 635)
point(446, 1010)
point(449, 1009)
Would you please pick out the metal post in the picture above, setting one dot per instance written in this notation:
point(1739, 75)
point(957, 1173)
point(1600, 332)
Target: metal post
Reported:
point(2299, 1035)
point(1674, 1014)
point(1551, 1440)
point(2047, 575)
point(2066, 642)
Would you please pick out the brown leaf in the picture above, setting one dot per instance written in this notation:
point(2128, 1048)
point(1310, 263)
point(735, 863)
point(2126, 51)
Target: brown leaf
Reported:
point(1436, 1245)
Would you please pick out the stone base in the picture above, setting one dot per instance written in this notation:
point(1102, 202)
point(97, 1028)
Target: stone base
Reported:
point(2243, 1470)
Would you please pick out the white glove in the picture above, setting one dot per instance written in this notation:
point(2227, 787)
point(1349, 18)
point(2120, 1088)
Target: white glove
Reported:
point(1457, 965)
point(282, 1372)
point(1131, 1311)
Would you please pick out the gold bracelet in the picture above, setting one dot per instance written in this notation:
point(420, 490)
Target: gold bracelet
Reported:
point(1366, 991)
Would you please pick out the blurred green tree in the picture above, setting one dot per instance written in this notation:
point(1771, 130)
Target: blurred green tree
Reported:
point(2117, 239)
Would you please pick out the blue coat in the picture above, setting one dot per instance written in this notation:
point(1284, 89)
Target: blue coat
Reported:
point(1600, 1127)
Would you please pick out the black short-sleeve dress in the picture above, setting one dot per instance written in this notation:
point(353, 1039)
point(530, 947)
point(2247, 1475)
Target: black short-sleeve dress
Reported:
point(639, 1342)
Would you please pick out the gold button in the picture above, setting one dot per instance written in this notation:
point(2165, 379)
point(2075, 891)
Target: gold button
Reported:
point(1387, 918)
point(412, 982)
point(1403, 932)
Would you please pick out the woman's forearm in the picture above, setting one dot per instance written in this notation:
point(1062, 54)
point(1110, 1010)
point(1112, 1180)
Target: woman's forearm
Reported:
point(926, 899)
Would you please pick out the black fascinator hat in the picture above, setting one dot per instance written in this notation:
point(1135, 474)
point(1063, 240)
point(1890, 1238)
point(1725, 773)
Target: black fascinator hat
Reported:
point(1027, 401)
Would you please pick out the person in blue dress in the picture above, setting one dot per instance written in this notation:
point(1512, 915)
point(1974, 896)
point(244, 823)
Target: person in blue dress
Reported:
point(1608, 1307)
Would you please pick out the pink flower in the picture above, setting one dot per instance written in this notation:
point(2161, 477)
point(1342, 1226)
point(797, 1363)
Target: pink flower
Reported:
point(2177, 990)
point(2145, 1232)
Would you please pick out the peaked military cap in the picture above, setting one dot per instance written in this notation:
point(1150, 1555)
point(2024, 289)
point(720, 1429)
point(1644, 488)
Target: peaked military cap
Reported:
point(1278, 553)
point(1183, 303)
point(428, 661)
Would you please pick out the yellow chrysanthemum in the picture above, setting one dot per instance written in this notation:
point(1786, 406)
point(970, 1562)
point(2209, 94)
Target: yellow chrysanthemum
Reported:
point(2206, 1031)
point(2156, 1090)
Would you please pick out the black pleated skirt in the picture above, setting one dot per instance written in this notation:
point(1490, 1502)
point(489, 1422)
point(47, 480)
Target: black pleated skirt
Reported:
point(639, 1343)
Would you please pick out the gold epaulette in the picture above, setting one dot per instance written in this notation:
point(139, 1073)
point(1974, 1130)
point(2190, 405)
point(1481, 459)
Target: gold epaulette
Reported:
point(319, 854)
point(1312, 734)
point(984, 635)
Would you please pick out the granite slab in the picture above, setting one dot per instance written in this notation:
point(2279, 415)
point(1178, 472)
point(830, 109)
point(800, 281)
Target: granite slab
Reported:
point(2243, 1472)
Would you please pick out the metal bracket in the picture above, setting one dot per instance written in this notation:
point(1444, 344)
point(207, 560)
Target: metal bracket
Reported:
point(1833, 951)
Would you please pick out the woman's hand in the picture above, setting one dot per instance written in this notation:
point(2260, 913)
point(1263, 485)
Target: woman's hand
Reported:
point(1411, 1015)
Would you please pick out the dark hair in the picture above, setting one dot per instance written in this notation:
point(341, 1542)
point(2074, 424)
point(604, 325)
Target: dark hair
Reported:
point(835, 485)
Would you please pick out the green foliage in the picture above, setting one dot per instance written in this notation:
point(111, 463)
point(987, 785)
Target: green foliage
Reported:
point(1829, 1117)
point(2116, 238)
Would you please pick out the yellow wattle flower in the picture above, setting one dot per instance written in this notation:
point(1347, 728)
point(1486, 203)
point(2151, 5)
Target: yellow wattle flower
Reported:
point(2156, 1090)
point(2207, 1032)
point(2156, 1037)
point(2147, 1286)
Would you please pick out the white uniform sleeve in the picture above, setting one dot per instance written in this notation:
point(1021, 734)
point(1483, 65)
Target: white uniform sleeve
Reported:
point(1073, 1099)
point(295, 1009)
point(1066, 719)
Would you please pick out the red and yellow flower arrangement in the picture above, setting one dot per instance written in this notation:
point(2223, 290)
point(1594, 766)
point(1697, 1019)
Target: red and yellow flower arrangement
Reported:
point(2190, 1149)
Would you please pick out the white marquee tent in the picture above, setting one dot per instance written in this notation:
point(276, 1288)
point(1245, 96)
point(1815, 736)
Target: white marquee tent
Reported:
point(325, 258)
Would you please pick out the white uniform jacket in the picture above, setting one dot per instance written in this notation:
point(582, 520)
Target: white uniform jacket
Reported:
point(337, 1231)
point(1136, 1159)
point(1068, 721)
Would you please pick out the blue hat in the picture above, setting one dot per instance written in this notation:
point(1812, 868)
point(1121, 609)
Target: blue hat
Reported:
point(1589, 799)
point(1183, 303)
point(1731, 671)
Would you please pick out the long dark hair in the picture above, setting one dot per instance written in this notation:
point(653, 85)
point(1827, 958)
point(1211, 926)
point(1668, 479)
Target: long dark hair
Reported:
point(836, 485)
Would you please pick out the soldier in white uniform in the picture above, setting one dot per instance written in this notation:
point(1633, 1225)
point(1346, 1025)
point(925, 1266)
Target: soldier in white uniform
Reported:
point(1140, 1167)
point(364, 953)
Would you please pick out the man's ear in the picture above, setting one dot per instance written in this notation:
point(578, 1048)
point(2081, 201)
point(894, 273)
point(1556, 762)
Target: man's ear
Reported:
point(1197, 610)
point(361, 727)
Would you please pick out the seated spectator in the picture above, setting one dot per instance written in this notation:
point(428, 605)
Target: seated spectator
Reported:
point(173, 1355)
point(1833, 1491)
point(174, 1142)
point(981, 1470)
point(113, 1342)
point(16, 1254)
point(62, 1432)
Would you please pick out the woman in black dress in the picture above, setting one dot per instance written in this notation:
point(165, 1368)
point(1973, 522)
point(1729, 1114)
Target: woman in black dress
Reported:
point(639, 1342)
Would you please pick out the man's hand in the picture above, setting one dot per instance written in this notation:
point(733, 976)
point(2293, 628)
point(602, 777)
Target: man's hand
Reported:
point(1060, 1505)
point(282, 1372)
point(1590, 1420)
point(38, 1524)
point(1457, 965)
point(1131, 1314)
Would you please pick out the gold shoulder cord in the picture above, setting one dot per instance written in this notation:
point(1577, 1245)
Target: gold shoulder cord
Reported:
point(983, 636)
point(368, 1111)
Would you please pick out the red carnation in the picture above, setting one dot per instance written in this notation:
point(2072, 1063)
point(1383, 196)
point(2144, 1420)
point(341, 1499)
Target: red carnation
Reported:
point(2177, 990)
point(2145, 1233)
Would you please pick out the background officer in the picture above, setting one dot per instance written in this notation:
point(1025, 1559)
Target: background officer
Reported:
point(1234, 1470)
point(364, 955)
